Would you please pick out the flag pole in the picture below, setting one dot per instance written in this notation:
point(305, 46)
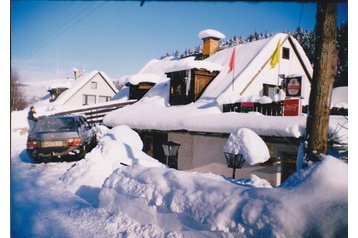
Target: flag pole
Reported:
point(233, 81)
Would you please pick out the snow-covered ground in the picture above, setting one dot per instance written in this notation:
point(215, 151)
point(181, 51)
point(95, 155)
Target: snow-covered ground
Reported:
point(101, 197)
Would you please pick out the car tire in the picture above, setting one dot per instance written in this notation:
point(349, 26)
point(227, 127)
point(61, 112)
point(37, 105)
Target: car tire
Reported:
point(83, 152)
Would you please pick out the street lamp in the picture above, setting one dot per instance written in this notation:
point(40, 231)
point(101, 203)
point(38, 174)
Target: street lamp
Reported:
point(171, 153)
point(234, 161)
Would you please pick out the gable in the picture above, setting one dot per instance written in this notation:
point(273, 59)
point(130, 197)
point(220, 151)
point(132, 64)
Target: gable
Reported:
point(73, 95)
point(258, 71)
point(95, 86)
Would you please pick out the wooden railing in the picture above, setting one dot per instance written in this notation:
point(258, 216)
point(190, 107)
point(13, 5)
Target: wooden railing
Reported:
point(275, 109)
point(270, 109)
point(94, 114)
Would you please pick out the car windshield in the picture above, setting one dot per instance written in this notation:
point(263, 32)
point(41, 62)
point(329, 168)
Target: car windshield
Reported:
point(55, 124)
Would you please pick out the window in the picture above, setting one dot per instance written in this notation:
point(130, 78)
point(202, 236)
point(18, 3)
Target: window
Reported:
point(88, 99)
point(285, 53)
point(270, 90)
point(103, 98)
point(93, 85)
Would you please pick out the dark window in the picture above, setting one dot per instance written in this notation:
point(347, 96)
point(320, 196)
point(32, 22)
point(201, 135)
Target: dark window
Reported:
point(270, 90)
point(138, 91)
point(179, 87)
point(285, 53)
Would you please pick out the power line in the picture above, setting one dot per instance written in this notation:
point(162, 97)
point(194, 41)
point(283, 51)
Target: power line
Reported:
point(72, 22)
point(48, 39)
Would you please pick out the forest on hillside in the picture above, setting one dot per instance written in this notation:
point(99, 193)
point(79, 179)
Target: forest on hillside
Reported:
point(305, 37)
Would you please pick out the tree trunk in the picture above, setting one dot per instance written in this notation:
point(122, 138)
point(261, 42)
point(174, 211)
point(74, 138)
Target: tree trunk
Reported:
point(323, 79)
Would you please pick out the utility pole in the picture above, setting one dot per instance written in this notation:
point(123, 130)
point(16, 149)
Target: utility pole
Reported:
point(323, 78)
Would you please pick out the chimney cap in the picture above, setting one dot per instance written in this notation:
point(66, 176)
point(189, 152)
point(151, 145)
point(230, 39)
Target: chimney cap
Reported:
point(210, 33)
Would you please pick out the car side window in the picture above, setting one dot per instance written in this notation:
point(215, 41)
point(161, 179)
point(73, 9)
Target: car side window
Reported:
point(78, 122)
point(85, 123)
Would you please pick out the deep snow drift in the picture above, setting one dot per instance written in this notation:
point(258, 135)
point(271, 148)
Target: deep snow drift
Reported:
point(117, 147)
point(313, 202)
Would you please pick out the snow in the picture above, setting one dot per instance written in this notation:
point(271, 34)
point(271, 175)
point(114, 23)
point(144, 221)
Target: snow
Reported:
point(204, 116)
point(118, 146)
point(250, 57)
point(210, 33)
point(122, 95)
point(247, 143)
point(298, 208)
point(339, 97)
point(99, 197)
point(65, 84)
point(39, 89)
point(255, 98)
point(143, 77)
point(154, 71)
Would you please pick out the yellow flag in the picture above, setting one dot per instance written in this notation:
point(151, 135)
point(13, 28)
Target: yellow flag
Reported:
point(276, 55)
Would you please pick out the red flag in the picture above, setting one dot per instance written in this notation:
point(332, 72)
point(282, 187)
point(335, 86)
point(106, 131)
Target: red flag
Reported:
point(232, 61)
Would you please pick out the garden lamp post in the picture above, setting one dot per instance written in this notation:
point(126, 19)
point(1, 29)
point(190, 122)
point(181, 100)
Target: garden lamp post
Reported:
point(171, 153)
point(234, 161)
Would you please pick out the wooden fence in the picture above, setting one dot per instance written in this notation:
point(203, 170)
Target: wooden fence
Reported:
point(95, 114)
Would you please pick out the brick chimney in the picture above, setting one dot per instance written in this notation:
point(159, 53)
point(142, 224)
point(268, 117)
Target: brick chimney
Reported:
point(210, 39)
point(77, 72)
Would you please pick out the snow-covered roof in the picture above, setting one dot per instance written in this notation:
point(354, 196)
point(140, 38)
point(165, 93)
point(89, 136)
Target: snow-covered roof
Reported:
point(79, 83)
point(154, 71)
point(211, 33)
point(67, 83)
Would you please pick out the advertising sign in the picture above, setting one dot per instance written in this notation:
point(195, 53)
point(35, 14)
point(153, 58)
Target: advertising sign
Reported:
point(247, 106)
point(292, 107)
point(293, 86)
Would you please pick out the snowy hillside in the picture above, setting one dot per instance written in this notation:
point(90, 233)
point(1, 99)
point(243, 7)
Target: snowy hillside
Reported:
point(101, 197)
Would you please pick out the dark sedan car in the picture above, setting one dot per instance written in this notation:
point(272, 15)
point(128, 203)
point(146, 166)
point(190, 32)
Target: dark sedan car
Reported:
point(57, 136)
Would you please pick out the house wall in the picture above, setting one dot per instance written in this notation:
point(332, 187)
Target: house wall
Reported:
point(103, 89)
point(270, 76)
point(204, 154)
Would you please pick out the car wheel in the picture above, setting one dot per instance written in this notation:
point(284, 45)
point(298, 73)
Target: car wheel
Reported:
point(94, 142)
point(83, 152)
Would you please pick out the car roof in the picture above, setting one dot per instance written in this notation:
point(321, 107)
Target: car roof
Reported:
point(63, 116)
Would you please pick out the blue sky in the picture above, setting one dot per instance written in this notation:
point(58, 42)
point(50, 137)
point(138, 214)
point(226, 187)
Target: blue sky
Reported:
point(49, 38)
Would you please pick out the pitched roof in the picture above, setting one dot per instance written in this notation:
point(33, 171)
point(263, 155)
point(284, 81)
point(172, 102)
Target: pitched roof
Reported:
point(154, 71)
point(79, 83)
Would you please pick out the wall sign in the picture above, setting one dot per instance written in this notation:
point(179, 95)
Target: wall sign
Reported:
point(292, 107)
point(293, 86)
point(247, 107)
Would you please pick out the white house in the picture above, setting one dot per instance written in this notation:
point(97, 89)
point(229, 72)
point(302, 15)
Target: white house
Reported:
point(185, 105)
point(85, 89)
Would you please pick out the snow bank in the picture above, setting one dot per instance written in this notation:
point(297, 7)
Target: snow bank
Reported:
point(247, 143)
point(340, 97)
point(210, 33)
point(118, 146)
point(313, 202)
point(255, 98)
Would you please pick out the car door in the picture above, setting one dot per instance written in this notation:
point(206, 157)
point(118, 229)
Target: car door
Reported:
point(87, 133)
